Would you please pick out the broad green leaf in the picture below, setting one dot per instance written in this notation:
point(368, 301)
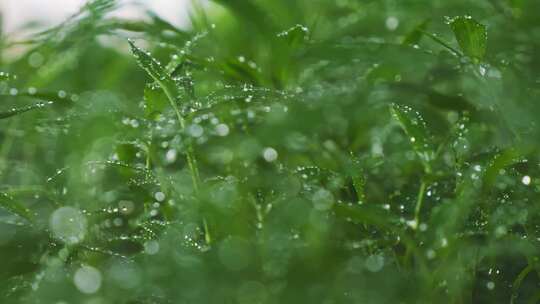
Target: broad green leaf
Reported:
point(155, 100)
point(470, 35)
point(14, 207)
point(415, 127)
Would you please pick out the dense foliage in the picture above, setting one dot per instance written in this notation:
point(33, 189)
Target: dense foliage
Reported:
point(308, 151)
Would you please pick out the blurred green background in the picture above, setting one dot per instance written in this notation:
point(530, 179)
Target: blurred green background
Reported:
point(274, 152)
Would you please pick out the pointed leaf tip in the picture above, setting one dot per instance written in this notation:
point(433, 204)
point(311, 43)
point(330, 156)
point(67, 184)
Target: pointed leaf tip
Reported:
point(415, 127)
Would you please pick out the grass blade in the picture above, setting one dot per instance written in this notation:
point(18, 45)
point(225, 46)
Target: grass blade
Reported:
point(14, 207)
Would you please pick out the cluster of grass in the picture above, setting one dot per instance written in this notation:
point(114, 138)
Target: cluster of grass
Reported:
point(308, 151)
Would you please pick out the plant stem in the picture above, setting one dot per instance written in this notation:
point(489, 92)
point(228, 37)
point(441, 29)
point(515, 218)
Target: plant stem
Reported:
point(190, 155)
point(517, 282)
point(419, 201)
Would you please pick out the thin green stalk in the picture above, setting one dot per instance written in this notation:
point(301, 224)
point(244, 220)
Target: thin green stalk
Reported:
point(419, 201)
point(190, 155)
point(517, 282)
point(7, 144)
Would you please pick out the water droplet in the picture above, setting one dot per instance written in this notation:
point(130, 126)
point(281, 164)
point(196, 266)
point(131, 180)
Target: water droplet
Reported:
point(413, 224)
point(392, 23)
point(35, 60)
point(323, 199)
point(270, 154)
point(490, 285)
point(222, 130)
point(151, 247)
point(159, 196)
point(195, 130)
point(171, 155)
point(126, 207)
point(374, 263)
point(526, 180)
point(482, 70)
point(68, 224)
point(87, 279)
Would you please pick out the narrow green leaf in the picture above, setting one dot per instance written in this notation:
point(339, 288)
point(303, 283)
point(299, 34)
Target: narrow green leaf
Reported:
point(443, 43)
point(14, 207)
point(58, 98)
point(155, 70)
point(470, 35)
point(20, 110)
point(161, 77)
point(358, 179)
point(295, 35)
point(415, 127)
point(416, 34)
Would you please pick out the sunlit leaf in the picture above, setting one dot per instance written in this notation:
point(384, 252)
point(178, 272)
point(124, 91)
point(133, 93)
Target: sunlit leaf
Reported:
point(470, 35)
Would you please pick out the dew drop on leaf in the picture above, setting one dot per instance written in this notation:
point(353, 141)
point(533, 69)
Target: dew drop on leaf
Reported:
point(68, 224)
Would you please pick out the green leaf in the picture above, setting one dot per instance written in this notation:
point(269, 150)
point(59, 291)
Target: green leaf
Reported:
point(14, 207)
point(155, 70)
point(415, 127)
point(160, 76)
point(46, 99)
point(358, 179)
point(500, 161)
point(470, 35)
point(295, 35)
point(416, 34)
point(20, 110)
point(155, 100)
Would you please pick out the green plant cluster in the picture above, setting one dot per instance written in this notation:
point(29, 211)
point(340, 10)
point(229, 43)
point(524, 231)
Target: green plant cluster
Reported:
point(307, 151)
